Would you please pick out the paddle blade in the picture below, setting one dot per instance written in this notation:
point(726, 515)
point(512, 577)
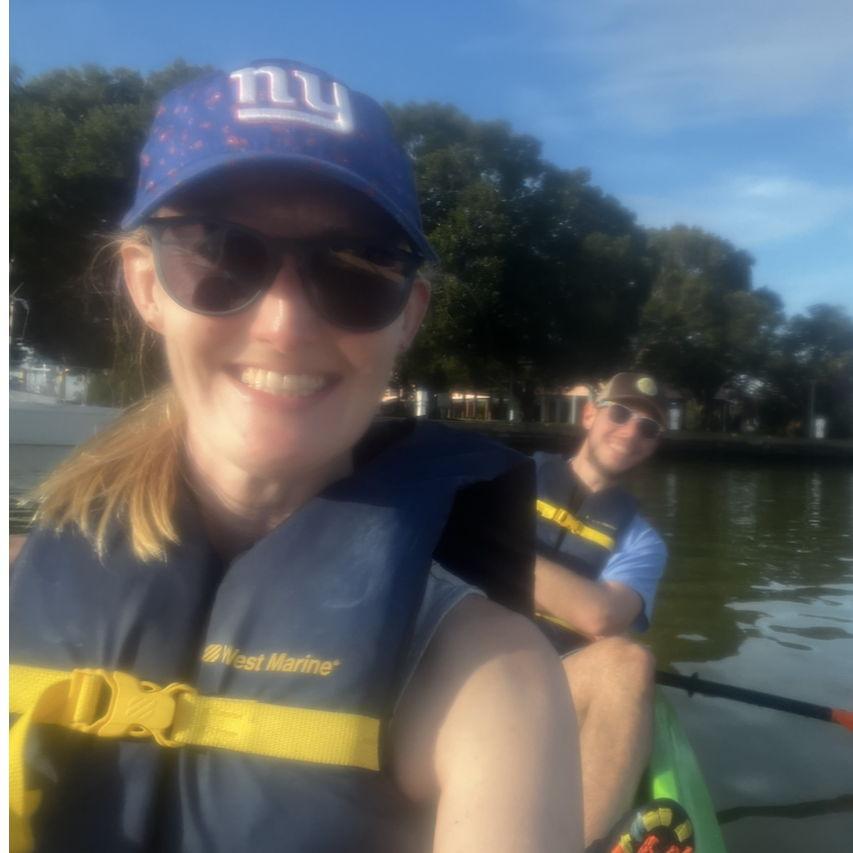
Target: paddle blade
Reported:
point(844, 718)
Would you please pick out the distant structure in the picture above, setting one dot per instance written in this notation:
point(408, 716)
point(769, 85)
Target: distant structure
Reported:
point(562, 405)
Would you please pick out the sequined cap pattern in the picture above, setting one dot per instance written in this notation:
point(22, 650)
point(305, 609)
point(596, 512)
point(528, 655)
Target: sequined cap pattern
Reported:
point(280, 114)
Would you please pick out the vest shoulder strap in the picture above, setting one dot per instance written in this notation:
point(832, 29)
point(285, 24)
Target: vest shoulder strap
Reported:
point(563, 518)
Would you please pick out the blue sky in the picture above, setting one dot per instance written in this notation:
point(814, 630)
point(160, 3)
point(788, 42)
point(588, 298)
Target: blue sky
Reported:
point(736, 117)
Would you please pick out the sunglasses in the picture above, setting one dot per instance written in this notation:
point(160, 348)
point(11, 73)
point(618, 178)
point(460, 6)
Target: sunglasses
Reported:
point(619, 414)
point(214, 267)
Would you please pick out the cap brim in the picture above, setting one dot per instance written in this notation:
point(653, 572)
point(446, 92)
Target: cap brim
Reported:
point(199, 171)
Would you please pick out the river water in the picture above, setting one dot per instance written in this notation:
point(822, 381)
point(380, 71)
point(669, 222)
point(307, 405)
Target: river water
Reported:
point(758, 593)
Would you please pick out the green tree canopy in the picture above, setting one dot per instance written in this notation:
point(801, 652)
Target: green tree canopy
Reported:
point(813, 360)
point(703, 324)
point(544, 279)
point(542, 275)
point(74, 139)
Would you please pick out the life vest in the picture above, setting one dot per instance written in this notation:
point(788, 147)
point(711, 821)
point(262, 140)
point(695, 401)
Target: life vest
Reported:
point(575, 528)
point(311, 623)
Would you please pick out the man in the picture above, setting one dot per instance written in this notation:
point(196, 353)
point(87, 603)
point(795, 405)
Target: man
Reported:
point(597, 567)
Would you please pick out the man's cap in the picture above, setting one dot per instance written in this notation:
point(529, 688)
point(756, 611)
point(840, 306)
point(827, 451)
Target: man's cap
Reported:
point(281, 114)
point(638, 387)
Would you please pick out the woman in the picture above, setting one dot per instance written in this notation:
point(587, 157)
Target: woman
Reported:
point(242, 567)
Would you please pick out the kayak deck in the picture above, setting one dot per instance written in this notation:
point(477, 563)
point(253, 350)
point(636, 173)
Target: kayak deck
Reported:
point(674, 773)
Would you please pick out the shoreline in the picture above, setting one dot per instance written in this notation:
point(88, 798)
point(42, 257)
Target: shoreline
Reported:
point(528, 437)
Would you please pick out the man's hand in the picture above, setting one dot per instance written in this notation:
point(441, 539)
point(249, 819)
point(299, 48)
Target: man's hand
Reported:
point(486, 729)
point(593, 608)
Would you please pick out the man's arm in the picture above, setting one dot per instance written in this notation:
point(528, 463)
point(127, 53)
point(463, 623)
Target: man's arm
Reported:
point(611, 604)
point(593, 608)
point(486, 729)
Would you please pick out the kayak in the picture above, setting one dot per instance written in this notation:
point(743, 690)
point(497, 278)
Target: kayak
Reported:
point(674, 774)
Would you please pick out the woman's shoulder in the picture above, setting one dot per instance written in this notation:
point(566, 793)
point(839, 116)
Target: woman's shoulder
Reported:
point(479, 626)
point(488, 671)
point(455, 613)
point(460, 632)
point(442, 593)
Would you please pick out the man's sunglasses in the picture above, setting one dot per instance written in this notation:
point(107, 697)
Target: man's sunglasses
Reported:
point(619, 414)
point(216, 267)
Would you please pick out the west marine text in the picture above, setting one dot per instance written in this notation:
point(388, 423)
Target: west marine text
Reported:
point(226, 655)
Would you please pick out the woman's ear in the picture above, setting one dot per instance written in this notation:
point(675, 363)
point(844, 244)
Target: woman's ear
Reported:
point(140, 276)
point(414, 312)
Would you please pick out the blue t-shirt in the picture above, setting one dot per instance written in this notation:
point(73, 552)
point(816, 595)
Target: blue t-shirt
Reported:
point(638, 562)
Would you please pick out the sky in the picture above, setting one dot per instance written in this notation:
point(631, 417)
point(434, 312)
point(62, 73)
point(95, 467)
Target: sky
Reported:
point(736, 117)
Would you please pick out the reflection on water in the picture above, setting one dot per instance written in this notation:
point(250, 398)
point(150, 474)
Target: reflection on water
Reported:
point(759, 593)
point(815, 492)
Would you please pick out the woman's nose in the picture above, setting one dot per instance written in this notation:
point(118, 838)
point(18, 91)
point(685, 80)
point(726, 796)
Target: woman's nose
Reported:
point(284, 316)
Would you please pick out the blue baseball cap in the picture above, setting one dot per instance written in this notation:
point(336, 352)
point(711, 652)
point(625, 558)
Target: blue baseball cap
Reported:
point(279, 113)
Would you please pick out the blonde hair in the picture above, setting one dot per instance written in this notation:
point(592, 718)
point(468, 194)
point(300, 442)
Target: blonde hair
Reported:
point(130, 472)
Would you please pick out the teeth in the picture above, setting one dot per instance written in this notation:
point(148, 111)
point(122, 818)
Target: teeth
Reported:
point(284, 384)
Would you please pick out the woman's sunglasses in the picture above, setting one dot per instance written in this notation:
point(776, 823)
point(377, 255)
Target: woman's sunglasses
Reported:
point(619, 414)
point(216, 267)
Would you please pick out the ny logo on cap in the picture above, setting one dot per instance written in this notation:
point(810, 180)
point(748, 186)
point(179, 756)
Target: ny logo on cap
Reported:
point(270, 93)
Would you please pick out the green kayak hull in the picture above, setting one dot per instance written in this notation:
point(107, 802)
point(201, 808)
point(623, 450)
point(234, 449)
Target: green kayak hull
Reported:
point(674, 773)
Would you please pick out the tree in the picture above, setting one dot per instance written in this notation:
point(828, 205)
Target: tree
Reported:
point(703, 324)
point(542, 276)
point(814, 357)
point(74, 136)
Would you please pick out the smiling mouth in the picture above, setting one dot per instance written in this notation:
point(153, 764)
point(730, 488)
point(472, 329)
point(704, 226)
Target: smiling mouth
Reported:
point(624, 451)
point(284, 384)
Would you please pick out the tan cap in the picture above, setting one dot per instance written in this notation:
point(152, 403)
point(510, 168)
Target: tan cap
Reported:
point(636, 386)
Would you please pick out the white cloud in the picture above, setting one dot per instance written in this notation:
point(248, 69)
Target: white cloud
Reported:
point(751, 210)
point(659, 64)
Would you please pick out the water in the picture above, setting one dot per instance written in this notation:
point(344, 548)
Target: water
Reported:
point(758, 593)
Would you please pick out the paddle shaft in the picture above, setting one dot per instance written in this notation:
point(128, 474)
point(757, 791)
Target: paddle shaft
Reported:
point(694, 684)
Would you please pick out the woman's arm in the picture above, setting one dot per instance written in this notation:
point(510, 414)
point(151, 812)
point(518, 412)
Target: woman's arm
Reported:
point(486, 728)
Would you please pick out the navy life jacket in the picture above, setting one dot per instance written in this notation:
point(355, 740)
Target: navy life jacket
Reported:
point(317, 614)
point(582, 533)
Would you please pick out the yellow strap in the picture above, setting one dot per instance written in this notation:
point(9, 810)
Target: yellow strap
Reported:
point(574, 525)
point(560, 623)
point(41, 697)
point(278, 731)
point(174, 715)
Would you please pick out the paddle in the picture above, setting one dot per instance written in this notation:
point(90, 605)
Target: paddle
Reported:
point(693, 684)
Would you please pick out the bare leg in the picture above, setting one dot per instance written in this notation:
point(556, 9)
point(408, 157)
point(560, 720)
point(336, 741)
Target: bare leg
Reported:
point(611, 683)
